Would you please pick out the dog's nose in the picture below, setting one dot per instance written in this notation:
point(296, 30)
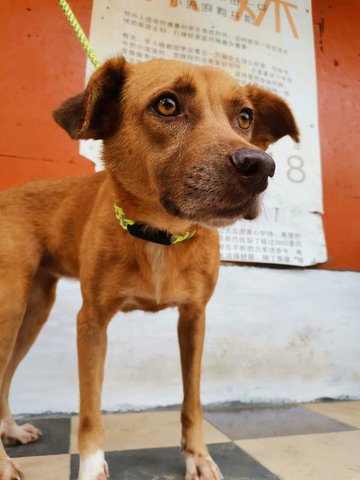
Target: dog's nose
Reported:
point(253, 163)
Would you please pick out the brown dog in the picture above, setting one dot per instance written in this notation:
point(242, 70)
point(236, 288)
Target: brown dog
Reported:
point(183, 151)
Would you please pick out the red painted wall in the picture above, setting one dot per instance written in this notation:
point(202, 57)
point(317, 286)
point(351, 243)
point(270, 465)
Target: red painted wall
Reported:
point(42, 63)
point(337, 41)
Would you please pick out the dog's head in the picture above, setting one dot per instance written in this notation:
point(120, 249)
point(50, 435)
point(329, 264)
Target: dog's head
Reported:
point(184, 137)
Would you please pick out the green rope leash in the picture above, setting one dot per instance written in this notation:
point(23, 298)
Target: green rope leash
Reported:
point(79, 33)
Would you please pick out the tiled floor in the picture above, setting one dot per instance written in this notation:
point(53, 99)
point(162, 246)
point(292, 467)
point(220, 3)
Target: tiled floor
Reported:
point(308, 442)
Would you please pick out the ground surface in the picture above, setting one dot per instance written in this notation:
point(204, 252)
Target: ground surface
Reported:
point(318, 441)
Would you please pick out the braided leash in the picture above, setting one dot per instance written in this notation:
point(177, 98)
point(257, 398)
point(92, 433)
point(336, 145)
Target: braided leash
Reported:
point(79, 33)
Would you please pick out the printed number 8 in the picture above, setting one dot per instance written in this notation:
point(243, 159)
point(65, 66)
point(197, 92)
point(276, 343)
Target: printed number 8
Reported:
point(295, 173)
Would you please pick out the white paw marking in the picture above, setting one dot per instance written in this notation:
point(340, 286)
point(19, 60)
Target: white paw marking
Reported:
point(93, 467)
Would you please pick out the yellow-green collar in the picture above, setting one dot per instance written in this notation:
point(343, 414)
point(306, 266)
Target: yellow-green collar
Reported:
point(147, 232)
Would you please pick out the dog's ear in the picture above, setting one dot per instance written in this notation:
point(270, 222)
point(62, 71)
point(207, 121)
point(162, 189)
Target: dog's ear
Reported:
point(95, 113)
point(273, 118)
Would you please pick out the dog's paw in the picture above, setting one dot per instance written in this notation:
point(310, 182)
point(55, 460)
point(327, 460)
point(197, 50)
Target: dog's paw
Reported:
point(102, 475)
point(13, 433)
point(9, 471)
point(201, 467)
point(94, 467)
point(105, 474)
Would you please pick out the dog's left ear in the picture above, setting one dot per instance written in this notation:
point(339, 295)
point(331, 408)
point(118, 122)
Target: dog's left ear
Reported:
point(273, 118)
point(95, 113)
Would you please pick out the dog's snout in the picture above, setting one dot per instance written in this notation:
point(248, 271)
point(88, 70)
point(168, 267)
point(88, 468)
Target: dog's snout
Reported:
point(253, 163)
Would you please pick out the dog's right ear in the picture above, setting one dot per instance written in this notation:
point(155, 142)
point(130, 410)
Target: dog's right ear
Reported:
point(95, 113)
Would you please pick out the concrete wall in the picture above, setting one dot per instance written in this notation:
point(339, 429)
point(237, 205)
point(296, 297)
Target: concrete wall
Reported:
point(272, 335)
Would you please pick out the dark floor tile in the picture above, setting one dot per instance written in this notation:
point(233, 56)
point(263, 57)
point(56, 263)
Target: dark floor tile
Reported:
point(54, 441)
point(240, 423)
point(168, 464)
point(235, 464)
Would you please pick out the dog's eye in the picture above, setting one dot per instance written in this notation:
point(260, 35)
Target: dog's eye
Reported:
point(166, 107)
point(246, 118)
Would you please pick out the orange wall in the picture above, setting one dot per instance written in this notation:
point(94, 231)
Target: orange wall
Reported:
point(43, 63)
point(337, 41)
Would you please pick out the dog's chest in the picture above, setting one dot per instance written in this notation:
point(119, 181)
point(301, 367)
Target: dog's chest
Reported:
point(157, 283)
point(160, 269)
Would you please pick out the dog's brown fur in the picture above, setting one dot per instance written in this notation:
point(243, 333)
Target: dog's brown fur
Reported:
point(171, 173)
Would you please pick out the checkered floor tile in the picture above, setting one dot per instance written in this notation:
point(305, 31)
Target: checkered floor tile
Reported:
point(315, 441)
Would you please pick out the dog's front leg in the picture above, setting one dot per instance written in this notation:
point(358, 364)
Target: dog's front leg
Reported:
point(191, 330)
point(92, 325)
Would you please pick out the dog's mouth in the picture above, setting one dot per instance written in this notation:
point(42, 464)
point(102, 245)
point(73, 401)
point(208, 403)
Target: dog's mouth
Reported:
point(214, 212)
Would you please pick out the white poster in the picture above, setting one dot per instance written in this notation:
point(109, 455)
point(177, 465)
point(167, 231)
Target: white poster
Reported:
point(266, 42)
